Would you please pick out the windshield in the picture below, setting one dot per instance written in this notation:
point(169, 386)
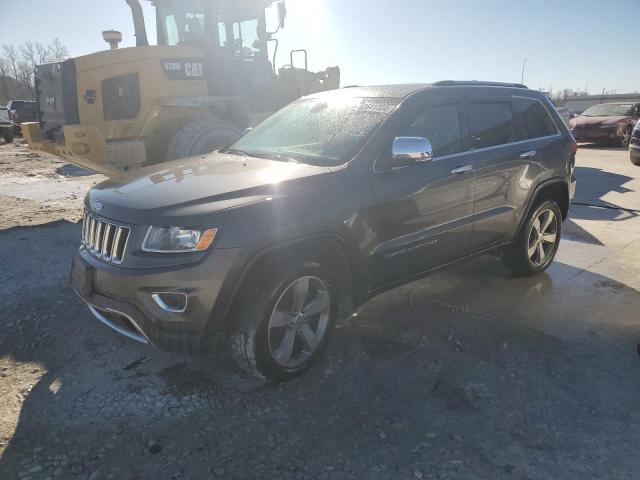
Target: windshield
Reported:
point(608, 110)
point(318, 131)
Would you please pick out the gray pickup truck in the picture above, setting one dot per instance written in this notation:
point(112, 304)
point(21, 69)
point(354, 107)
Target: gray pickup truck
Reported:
point(260, 246)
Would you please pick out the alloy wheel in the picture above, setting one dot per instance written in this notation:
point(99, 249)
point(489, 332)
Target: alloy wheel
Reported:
point(299, 321)
point(542, 238)
point(626, 137)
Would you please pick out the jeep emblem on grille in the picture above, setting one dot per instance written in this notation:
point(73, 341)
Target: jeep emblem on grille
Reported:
point(97, 206)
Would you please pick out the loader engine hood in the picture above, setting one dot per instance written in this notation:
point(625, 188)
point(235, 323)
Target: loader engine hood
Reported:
point(57, 97)
point(114, 90)
point(196, 187)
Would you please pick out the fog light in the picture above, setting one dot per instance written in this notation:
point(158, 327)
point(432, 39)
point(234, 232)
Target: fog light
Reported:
point(170, 302)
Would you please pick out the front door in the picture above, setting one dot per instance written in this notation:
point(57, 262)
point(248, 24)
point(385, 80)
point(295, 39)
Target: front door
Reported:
point(422, 216)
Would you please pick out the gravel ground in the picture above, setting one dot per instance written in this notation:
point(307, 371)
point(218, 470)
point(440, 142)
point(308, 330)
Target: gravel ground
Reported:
point(469, 373)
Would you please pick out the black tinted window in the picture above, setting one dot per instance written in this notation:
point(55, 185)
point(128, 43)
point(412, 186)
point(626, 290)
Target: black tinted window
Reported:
point(534, 119)
point(441, 125)
point(490, 124)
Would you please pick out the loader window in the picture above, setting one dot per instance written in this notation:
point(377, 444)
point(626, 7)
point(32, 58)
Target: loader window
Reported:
point(246, 35)
point(181, 22)
point(241, 37)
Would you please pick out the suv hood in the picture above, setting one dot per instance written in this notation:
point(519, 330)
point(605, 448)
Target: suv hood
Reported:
point(198, 185)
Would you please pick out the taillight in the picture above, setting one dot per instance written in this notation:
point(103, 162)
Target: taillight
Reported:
point(574, 147)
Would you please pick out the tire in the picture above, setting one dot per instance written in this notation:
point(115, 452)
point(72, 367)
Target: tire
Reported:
point(635, 160)
point(201, 135)
point(524, 257)
point(259, 337)
point(8, 137)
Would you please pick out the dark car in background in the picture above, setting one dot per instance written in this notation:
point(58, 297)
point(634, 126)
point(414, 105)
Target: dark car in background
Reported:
point(607, 123)
point(22, 111)
point(634, 145)
point(328, 202)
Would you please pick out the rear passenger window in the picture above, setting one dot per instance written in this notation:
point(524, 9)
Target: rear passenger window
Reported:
point(490, 124)
point(534, 119)
point(441, 125)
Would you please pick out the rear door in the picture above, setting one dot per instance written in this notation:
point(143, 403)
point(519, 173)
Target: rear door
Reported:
point(511, 138)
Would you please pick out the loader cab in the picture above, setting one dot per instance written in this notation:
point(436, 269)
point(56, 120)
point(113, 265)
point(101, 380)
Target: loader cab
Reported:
point(234, 39)
point(236, 28)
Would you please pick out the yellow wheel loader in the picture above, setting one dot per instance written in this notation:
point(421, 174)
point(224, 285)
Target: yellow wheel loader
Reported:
point(209, 78)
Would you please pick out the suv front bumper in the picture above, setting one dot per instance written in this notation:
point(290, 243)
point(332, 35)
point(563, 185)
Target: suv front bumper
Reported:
point(122, 299)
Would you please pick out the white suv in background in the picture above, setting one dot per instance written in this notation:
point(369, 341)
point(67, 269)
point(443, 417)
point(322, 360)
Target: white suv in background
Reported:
point(6, 127)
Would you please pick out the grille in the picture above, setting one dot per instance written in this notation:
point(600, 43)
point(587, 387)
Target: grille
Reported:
point(104, 240)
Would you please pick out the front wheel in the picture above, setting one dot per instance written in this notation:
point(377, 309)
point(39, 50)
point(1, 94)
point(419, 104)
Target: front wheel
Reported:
point(537, 243)
point(284, 321)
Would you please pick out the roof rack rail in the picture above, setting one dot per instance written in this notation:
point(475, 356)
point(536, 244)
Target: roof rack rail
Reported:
point(452, 83)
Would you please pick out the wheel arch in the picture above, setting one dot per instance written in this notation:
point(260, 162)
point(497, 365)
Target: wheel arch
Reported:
point(553, 189)
point(333, 249)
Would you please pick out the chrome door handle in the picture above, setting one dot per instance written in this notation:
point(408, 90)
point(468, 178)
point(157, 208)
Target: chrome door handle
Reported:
point(463, 169)
point(529, 154)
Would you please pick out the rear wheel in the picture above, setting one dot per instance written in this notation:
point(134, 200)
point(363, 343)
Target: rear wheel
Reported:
point(201, 135)
point(8, 136)
point(535, 247)
point(284, 321)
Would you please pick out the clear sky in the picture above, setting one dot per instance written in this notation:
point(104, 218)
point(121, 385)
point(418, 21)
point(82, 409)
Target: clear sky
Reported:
point(567, 43)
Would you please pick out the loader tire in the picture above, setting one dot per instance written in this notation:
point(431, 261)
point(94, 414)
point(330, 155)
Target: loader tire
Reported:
point(201, 135)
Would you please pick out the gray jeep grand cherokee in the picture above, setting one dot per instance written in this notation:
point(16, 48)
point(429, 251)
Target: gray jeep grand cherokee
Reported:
point(262, 245)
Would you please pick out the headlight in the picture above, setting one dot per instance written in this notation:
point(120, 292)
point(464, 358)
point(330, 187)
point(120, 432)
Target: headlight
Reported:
point(177, 240)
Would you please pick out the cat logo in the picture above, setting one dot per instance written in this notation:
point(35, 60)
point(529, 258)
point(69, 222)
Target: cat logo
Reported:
point(184, 69)
point(194, 69)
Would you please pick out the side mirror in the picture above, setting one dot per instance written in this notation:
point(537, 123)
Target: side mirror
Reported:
point(415, 149)
point(282, 14)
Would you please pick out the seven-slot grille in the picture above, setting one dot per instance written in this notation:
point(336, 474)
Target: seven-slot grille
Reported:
point(104, 239)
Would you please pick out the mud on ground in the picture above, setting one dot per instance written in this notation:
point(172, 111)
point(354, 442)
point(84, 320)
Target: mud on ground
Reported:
point(37, 188)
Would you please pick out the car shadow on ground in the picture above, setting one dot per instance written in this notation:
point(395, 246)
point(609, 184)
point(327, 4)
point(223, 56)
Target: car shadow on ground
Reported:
point(69, 170)
point(467, 373)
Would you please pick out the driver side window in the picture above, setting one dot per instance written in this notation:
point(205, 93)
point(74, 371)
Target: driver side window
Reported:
point(440, 124)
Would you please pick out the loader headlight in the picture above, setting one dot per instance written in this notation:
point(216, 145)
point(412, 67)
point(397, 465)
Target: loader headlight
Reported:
point(177, 239)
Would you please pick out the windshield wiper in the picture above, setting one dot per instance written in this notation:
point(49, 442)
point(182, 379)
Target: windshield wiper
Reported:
point(275, 156)
point(235, 151)
point(265, 155)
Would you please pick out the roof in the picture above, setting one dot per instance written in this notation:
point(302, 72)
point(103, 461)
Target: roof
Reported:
point(404, 90)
